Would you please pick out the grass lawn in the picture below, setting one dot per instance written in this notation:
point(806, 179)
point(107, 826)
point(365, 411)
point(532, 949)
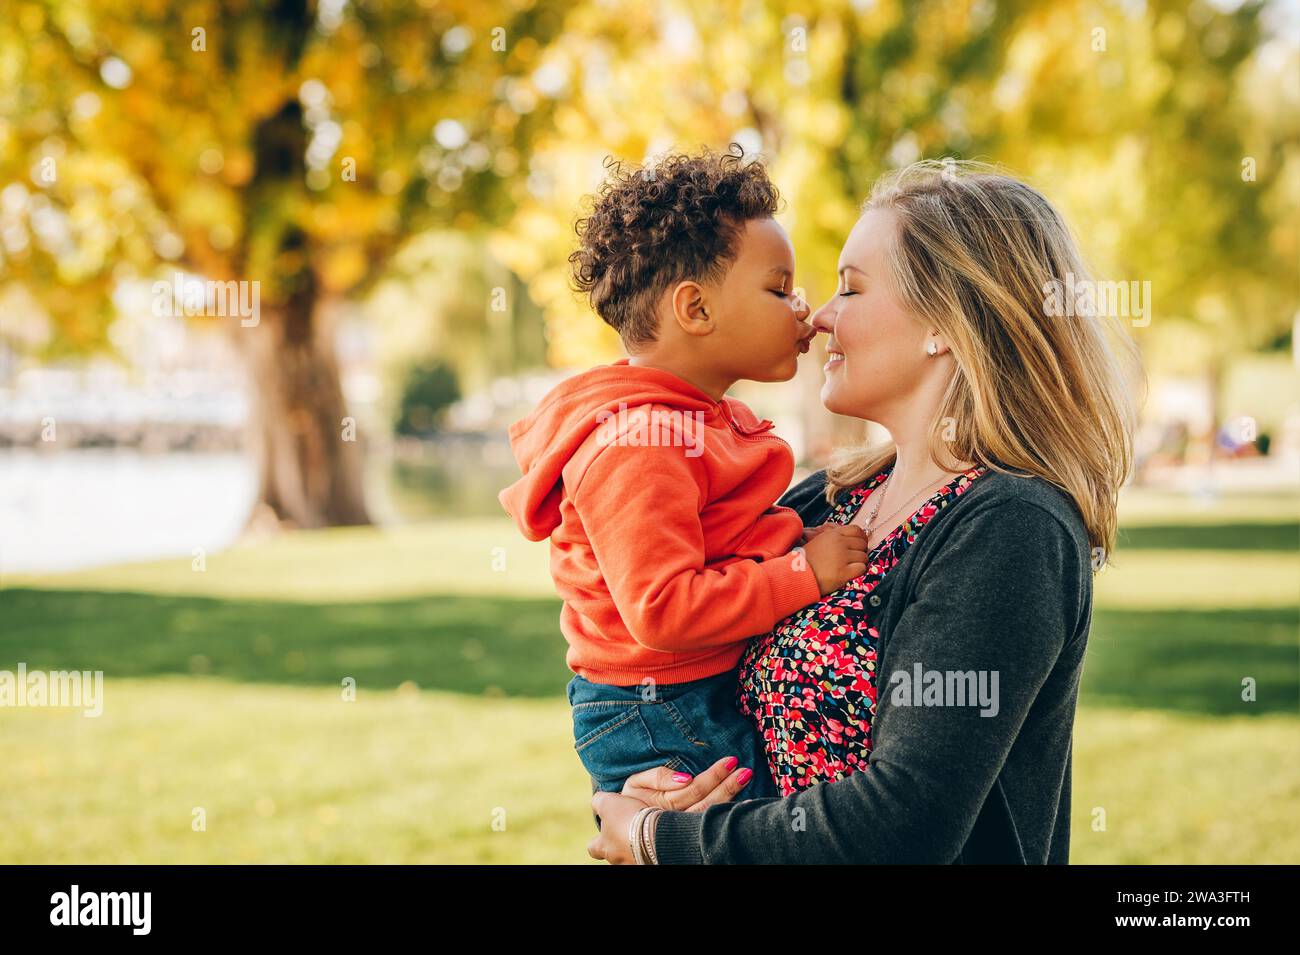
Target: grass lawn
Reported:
point(223, 701)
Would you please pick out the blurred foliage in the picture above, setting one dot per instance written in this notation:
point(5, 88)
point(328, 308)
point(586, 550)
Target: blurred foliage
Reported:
point(1262, 386)
point(199, 135)
point(490, 121)
point(1136, 118)
point(430, 390)
point(446, 296)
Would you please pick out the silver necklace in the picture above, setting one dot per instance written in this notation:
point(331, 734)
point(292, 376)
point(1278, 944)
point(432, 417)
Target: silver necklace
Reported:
point(871, 519)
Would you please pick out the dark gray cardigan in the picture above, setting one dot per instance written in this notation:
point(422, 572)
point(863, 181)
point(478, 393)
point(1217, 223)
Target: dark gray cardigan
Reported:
point(998, 581)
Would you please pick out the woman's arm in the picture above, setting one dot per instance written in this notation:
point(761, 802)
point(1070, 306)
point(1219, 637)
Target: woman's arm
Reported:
point(1003, 595)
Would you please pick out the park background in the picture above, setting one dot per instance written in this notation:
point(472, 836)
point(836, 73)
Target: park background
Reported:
point(230, 520)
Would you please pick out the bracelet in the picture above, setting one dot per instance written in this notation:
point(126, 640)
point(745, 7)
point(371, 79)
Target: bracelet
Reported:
point(651, 825)
point(634, 836)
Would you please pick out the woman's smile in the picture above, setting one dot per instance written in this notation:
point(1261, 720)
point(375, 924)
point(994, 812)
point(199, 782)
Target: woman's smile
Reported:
point(834, 358)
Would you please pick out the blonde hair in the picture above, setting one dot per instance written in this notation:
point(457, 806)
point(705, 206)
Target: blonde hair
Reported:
point(974, 256)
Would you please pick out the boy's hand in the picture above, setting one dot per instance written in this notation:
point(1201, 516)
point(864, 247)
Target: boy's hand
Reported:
point(810, 532)
point(837, 554)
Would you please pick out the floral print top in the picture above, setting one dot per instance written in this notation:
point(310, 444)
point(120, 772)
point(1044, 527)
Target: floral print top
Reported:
point(810, 684)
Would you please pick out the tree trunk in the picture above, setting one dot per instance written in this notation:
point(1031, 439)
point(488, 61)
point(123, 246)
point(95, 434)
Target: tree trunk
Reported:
point(311, 466)
point(310, 461)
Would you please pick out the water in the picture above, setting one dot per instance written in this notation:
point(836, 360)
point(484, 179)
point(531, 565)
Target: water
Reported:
point(70, 509)
point(459, 477)
point(80, 508)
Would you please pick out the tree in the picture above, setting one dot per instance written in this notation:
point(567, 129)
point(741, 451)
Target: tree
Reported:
point(296, 145)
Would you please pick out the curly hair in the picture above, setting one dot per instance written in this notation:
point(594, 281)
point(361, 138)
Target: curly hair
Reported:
point(654, 226)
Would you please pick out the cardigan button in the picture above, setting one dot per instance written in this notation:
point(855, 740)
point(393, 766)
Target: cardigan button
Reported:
point(874, 600)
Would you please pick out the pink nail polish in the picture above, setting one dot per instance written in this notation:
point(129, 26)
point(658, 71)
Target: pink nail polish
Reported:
point(682, 777)
point(732, 762)
point(745, 776)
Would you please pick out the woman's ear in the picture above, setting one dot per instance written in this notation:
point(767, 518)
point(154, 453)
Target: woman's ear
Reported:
point(935, 345)
point(691, 309)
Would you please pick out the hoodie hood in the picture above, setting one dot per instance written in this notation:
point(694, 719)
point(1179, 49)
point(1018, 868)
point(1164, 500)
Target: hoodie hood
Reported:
point(544, 442)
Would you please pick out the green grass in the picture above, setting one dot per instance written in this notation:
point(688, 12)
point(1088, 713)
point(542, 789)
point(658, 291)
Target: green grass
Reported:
point(223, 692)
point(501, 646)
point(292, 775)
point(1184, 789)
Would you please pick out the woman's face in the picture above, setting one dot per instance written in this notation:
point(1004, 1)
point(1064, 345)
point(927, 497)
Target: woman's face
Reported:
point(876, 349)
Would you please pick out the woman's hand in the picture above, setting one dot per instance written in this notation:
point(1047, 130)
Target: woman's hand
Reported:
point(665, 789)
point(614, 844)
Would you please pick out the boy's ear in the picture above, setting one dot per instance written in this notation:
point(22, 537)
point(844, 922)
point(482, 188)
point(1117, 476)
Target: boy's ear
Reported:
point(691, 310)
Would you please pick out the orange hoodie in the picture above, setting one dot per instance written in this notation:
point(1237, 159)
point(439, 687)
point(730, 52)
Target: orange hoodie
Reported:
point(666, 546)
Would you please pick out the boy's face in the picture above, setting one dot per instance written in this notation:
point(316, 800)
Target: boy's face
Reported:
point(762, 326)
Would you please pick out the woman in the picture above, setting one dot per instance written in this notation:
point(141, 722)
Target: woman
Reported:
point(924, 712)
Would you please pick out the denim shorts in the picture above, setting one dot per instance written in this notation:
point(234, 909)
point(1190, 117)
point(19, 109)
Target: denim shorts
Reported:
point(622, 730)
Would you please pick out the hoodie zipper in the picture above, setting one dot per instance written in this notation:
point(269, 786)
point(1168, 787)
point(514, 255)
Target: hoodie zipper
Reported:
point(757, 434)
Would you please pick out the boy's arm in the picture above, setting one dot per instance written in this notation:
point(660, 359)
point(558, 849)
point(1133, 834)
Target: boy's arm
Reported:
point(640, 508)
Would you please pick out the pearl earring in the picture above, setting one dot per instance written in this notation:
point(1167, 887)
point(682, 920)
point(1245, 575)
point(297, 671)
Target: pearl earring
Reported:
point(931, 348)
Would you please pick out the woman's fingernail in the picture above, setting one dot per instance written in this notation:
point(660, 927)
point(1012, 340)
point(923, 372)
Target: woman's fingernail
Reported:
point(745, 776)
point(732, 763)
point(682, 777)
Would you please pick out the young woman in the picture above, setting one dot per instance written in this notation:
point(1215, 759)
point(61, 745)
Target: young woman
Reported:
point(924, 712)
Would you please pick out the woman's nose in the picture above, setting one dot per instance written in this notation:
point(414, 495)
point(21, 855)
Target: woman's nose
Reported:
point(823, 320)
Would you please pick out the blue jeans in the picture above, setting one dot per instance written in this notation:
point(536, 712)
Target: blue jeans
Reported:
point(622, 730)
